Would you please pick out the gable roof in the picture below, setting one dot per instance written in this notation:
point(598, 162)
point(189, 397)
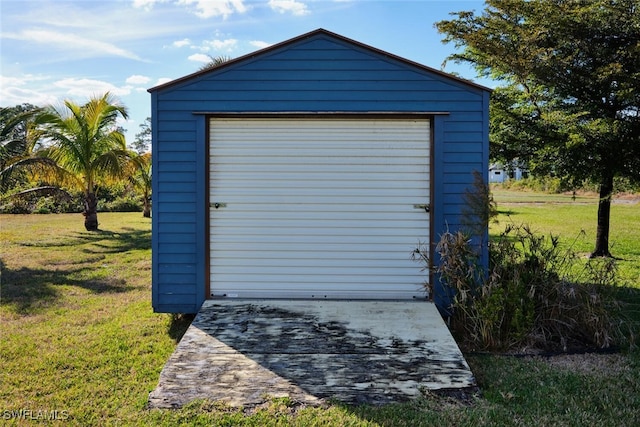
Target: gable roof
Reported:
point(314, 33)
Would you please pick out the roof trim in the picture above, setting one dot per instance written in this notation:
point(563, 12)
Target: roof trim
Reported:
point(308, 35)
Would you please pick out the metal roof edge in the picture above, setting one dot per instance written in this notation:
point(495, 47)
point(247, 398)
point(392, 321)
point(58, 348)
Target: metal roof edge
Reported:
point(314, 33)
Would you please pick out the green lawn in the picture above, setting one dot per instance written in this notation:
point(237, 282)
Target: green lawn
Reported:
point(80, 343)
point(574, 220)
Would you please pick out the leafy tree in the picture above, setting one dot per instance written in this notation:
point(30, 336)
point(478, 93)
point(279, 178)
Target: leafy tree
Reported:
point(140, 178)
point(570, 99)
point(142, 142)
point(86, 145)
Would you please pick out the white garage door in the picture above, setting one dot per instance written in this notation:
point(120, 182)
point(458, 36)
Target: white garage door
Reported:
point(318, 208)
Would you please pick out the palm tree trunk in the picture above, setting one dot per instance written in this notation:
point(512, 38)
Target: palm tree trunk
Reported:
point(604, 218)
point(90, 212)
point(146, 211)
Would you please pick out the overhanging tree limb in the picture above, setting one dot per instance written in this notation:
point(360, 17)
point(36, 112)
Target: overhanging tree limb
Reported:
point(571, 94)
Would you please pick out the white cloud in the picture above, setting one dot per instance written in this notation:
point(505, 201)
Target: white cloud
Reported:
point(200, 57)
point(146, 4)
point(211, 8)
point(80, 45)
point(162, 80)
point(87, 88)
point(259, 44)
point(293, 6)
point(14, 90)
point(137, 79)
point(42, 90)
point(15, 96)
point(181, 43)
point(227, 45)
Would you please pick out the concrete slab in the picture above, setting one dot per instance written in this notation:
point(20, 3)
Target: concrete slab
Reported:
point(244, 352)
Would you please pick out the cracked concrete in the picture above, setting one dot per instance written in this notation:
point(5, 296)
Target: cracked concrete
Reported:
point(243, 352)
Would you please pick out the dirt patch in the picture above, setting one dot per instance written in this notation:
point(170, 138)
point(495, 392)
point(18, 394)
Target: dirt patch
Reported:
point(618, 198)
point(596, 364)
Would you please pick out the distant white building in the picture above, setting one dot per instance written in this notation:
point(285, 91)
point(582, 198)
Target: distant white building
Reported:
point(499, 173)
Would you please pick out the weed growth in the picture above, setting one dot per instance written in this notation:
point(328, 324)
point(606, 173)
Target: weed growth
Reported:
point(536, 293)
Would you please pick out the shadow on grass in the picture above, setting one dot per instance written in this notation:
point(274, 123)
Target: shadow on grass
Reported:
point(29, 289)
point(130, 239)
point(630, 299)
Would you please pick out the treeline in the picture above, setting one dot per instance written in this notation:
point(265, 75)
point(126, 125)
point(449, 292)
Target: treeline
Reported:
point(555, 185)
point(118, 197)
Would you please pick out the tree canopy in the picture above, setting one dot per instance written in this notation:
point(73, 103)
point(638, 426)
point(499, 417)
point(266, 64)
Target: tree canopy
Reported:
point(569, 100)
point(19, 144)
point(142, 142)
point(85, 143)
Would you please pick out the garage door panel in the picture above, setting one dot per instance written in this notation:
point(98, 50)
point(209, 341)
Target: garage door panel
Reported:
point(268, 208)
point(318, 272)
point(335, 152)
point(378, 169)
point(323, 282)
point(318, 208)
point(283, 260)
point(345, 175)
point(281, 185)
point(294, 193)
point(321, 242)
point(288, 225)
point(341, 236)
point(249, 215)
point(245, 251)
point(406, 202)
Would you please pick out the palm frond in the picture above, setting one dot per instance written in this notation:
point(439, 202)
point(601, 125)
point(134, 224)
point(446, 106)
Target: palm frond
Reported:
point(11, 148)
point(111, 164)
point(39, 168)
point(84, 139)
point(47, 190)
point(10, 125)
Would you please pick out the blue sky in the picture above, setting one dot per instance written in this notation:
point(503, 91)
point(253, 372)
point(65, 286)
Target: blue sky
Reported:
point(53, 50)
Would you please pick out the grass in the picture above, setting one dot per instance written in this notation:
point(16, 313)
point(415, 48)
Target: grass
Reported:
point(80, 343)
point(574, 219)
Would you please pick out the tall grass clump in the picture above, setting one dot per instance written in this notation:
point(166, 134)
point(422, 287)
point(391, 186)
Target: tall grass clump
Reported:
point(536, 293)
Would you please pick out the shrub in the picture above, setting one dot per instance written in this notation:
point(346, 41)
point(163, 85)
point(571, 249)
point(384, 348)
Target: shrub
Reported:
point(554, 185)
point(480, 207)
point(52, 204)
point(49, 200)
point(543, 184)
point(123, 204)
point(17, 206)
point(536, 293)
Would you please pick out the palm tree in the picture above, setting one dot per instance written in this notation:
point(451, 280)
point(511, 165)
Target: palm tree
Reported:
point(141, 179)
point(87, 145)
point(215, 61)
point(19, 143)
point(20, 161)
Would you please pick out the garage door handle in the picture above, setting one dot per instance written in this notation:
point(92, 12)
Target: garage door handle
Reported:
point(426, 207)
point(218, 205)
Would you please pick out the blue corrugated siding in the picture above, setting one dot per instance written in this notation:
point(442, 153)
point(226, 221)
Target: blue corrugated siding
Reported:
point(317, 74)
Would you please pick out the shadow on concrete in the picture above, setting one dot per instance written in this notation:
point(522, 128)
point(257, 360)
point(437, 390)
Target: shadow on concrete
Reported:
point(178, 325)
point(311, 351)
